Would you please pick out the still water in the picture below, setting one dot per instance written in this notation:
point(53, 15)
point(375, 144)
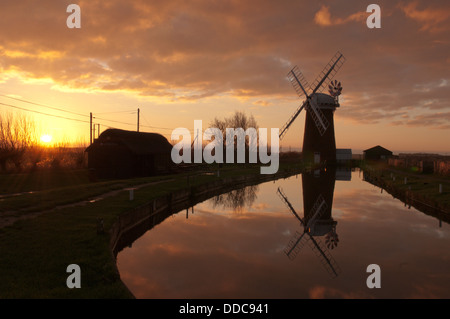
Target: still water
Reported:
point(307, 236)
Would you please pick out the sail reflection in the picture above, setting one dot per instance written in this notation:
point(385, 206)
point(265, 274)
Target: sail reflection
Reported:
point(317, 221)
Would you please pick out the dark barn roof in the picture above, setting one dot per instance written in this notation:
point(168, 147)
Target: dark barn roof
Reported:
point(378, 149)
point(138, 143)
point(377, 153)
point(125, 154)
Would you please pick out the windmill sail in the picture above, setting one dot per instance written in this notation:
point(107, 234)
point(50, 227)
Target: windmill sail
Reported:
point(291, 120)
point(327, 261)
point(319, 119)
point(298, 81)
point(288, 204)
point(320, 206)
point(328, 72)
point(295, 245)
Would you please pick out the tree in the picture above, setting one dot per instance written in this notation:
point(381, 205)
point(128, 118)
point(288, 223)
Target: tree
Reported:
point(17, 134)
point(238, 120)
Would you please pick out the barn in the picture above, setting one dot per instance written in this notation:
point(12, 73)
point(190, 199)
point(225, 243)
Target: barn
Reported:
point(124, 154)
point(377, 153)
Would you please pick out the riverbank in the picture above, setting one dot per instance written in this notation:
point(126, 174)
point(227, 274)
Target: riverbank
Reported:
point(36, 251)
point(426, 192)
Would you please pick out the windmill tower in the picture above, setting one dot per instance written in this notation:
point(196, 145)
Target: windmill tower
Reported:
point(319, 144)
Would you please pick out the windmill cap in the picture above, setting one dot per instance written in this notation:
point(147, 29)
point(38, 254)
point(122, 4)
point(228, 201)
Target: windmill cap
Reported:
point(324, 100)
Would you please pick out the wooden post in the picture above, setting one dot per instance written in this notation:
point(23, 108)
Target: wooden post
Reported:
point(90, 130)
point(138, 119)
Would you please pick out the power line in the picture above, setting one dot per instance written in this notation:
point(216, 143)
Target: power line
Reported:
point(43, 113)
point(127, 111)
point(43, 105)
point(75, 113)
point(132, 124)
point(102, 119)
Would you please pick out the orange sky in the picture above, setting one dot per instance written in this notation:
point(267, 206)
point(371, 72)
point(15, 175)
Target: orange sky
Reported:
point(179, 61)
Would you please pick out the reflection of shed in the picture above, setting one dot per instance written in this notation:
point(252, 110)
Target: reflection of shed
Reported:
point(123, 154)
point(377, 153)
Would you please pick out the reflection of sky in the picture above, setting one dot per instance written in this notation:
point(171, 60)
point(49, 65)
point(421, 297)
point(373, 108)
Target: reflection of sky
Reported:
point(224, 254)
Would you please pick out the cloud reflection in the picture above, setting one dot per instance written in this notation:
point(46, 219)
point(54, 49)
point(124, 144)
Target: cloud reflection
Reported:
point(216, 254)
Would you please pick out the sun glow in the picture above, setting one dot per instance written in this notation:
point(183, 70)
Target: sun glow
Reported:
point(46, 139)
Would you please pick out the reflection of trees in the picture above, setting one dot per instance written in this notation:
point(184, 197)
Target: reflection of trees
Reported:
point(236, 199)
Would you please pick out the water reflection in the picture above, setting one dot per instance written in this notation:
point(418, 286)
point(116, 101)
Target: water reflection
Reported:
point(237, 199)
point(217, 253)
point(318, 190)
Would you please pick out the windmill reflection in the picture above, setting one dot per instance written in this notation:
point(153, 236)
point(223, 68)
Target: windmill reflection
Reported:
point(237, 199)
point(317, 222)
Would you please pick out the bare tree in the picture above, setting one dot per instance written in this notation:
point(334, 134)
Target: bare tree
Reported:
point(237, 120)
point(17, 135)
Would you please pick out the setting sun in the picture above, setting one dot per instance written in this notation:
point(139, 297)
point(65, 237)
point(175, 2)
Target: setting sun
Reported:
point(46, 138)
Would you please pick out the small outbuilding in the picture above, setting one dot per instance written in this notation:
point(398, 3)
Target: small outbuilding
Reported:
point(377, 153)
point(343, 155)
point(125, 154)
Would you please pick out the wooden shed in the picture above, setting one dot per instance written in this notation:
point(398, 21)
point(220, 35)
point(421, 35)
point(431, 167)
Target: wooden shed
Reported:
point(124, 154)
point(377, 153)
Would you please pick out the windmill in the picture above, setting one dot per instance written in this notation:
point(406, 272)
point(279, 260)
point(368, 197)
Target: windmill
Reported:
point(319, 144)
point(317, 221)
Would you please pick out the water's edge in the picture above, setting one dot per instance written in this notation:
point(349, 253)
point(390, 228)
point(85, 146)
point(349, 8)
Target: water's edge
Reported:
point(409, 198)
point(132, 224)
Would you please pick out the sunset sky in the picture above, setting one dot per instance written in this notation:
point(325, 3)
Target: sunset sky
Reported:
point(180, 61)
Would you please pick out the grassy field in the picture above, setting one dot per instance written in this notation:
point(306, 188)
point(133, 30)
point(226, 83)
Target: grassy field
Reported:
point(423, 187)
point(46, 190)
point(41, 180)
point(35, 252)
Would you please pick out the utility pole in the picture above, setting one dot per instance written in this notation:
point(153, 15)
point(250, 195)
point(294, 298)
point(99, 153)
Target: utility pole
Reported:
point(138, 120)
point(90, 131)
point(98, 130)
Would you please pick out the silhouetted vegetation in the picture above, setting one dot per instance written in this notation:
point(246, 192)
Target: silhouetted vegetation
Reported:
point(17, 136)
point(21, 152)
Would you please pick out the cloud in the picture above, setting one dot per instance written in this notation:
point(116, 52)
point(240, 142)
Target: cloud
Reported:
point(324, 19)
point(432, 19)
point(262, 103)
point(440, 120)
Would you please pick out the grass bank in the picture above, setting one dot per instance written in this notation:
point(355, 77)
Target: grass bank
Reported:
point(416, 189)
point(35, 252)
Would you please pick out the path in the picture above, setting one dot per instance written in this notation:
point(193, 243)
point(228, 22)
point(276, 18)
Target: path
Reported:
point(10, 217)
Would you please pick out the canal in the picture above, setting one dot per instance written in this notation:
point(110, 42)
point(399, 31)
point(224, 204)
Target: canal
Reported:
point(306, 236)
